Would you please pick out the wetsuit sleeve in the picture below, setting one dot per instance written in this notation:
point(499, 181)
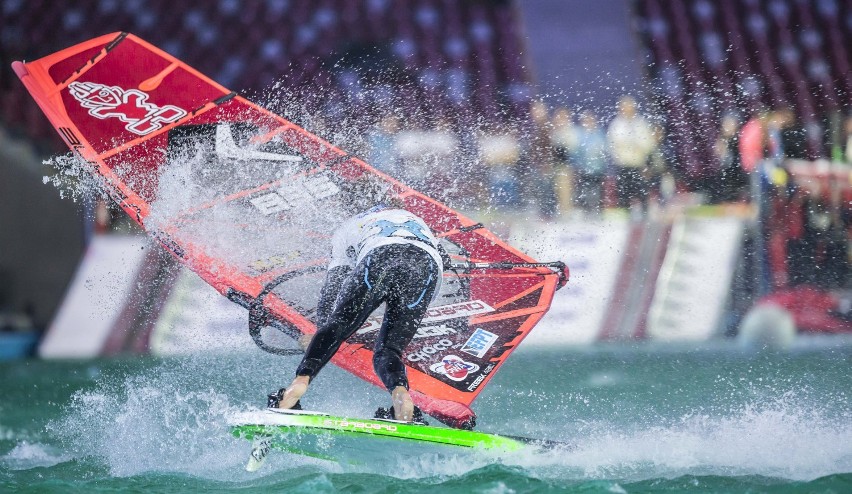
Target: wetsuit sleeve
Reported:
point(333, 281)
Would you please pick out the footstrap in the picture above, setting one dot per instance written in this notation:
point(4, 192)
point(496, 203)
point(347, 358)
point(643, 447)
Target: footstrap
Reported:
point(389, 414)
point(274, 399)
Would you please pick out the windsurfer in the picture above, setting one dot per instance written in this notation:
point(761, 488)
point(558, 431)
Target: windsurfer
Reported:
point(384, 254)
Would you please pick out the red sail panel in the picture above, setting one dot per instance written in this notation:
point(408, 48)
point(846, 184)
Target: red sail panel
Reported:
point(249, 201)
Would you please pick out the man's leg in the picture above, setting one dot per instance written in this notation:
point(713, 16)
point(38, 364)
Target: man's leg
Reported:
point(622, 187)
point(357, 299)
point(410, 291)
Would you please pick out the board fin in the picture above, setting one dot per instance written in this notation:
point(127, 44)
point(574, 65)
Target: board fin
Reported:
point(259, 451)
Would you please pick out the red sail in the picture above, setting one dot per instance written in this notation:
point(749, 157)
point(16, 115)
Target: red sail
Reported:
point(248, 200)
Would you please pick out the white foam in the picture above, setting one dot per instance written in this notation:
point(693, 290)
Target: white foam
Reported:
point(167, 419)
point(26, 455)
point(782, 439)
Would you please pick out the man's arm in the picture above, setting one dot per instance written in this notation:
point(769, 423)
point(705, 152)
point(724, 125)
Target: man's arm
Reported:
point(328, 295)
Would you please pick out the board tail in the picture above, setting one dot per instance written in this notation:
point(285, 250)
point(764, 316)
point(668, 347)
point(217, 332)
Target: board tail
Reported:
point(452, 413)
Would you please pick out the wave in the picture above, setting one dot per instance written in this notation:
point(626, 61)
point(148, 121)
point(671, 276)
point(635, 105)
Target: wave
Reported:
point(171, 419)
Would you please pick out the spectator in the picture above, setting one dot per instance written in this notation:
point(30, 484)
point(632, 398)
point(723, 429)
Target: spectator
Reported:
point(446, 167)
point(474, 186)
point(538, 163)
point(412, 144)
point(425, 151)
point(500, 152)
point(731, 182)
point(659, 180)
point(752, 141)
point(818, 255)
point(563, 135)
point(785, 136)
point(631, 142)
point(590, 159)
point(382, 145)
point(563, 140)
point(753, 152)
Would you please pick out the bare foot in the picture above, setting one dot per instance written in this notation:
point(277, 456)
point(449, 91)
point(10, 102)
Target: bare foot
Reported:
point(403, 407)
point(295, 391)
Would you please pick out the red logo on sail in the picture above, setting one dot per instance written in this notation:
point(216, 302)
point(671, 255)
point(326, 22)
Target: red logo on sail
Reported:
point(454, 367)
point(131, 106)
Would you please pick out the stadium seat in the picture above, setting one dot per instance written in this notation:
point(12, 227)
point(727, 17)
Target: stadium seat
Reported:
point(747, 54)
point(464, 55)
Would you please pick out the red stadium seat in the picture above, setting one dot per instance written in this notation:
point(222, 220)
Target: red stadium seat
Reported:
point(466, 55)
point(743, 54)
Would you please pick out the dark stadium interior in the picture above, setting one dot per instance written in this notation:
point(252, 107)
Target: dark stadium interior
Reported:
point(462, 69)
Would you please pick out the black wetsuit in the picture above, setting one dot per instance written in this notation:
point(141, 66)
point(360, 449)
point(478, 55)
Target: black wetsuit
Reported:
point(404, 276)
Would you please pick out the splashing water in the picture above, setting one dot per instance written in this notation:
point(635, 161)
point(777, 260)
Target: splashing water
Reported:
point(172, 418)
point(72, 178)
point(26, 455)
point(782, 439)
point(151, 425)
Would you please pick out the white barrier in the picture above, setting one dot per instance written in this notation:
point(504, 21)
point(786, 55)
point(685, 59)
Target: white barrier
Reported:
point(103, 283)
point(593, 250)
point(695, 279)
point(197, 318)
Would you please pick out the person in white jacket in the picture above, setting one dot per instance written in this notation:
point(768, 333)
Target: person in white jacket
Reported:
point(384, 254)
point(631, 142)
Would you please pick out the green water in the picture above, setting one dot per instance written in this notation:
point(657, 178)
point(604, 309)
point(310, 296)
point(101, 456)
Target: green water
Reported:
point(640, 420)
